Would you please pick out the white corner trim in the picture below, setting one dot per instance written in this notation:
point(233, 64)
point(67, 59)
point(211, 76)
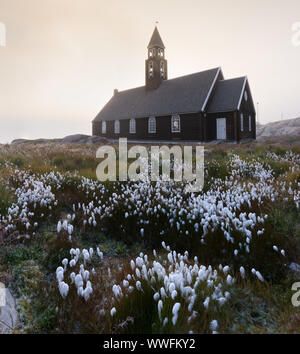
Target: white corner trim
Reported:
point(211, 88)
point(243, 89)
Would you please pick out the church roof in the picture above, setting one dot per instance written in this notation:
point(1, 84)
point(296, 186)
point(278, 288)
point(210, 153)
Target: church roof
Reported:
point(156, 40)
point(185, 94)
point(227, 95)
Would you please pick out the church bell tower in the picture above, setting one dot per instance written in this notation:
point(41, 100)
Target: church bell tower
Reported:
point(156, 64)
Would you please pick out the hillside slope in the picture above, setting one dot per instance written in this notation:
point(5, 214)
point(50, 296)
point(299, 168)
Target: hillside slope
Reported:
point(290, 127)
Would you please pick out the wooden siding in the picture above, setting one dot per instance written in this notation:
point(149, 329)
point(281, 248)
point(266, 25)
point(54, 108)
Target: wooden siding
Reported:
point(190, 129)
point(212, 125)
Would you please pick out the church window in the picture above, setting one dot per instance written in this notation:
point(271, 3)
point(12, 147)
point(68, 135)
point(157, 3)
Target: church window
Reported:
point(250, 123)
point(175, 123)
point(150, 69)
point(104, 127)
point(152, 125)
point(132, 126)
point(162, 69)
point(117, 127)
point(242, 122)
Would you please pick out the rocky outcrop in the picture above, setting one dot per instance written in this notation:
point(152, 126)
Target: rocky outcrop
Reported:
point(288, 127)
point(8, 313)
point(70, 139)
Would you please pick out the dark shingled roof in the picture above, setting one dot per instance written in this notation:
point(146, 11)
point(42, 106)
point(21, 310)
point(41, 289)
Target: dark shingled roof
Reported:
point(227, 95)
point(186, 94)
point(156, 40)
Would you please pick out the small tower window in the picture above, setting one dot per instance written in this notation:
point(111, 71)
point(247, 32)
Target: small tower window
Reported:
point(150, 69)
point(162, 69)
point(132, 126)
point(242, 122)
point(117, 127)
point(150, 53)
point(246, 96)
point(104, 127)
point(250, 123)
point(175, 123)
point(152, 125)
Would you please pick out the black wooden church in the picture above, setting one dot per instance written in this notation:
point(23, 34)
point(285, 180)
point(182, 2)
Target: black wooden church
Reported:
point(198, 107)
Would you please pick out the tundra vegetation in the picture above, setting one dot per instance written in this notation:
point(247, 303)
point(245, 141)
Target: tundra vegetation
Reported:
point(82, 256)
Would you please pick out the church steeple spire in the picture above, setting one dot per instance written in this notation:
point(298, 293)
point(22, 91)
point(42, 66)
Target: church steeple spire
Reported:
point(156, 64)
point(156, 40)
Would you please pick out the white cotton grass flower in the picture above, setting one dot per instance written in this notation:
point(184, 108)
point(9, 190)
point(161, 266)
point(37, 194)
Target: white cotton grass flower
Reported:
point(175, 311)
point(206, 302)
point(65, 262)
point(173, 294)
point(156, 296)
point(139, 262)
point(222, 300)
point(60, 276)
point(226, 269)
point(138, 285)
point(275, 248)
point(137, 272)
point(159, 308)
point(132, 264)
point(63, 289)
point(213, 326)
point(78, 280)
point(72, 277)
point(242, 271)
point(229, 279)
point(259, 276)
point(163, 292)
point(282, 252)
point(99, 253)
point(70, 229)
point(113, 311)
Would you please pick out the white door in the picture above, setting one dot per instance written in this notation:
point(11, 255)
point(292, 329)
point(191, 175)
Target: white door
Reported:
point(221, 128)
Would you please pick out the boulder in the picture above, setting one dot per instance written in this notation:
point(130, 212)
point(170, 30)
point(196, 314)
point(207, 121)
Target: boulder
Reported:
point(9, 318)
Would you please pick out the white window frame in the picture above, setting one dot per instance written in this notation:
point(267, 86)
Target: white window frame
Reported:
point(242, 122)
point(117, 127)
point(175, 117)
point(103, 127)
point(152, 125)
point(250, 123)
point(132, 126)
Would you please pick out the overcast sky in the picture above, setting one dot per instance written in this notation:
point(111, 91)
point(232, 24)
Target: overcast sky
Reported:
point(63, 58)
